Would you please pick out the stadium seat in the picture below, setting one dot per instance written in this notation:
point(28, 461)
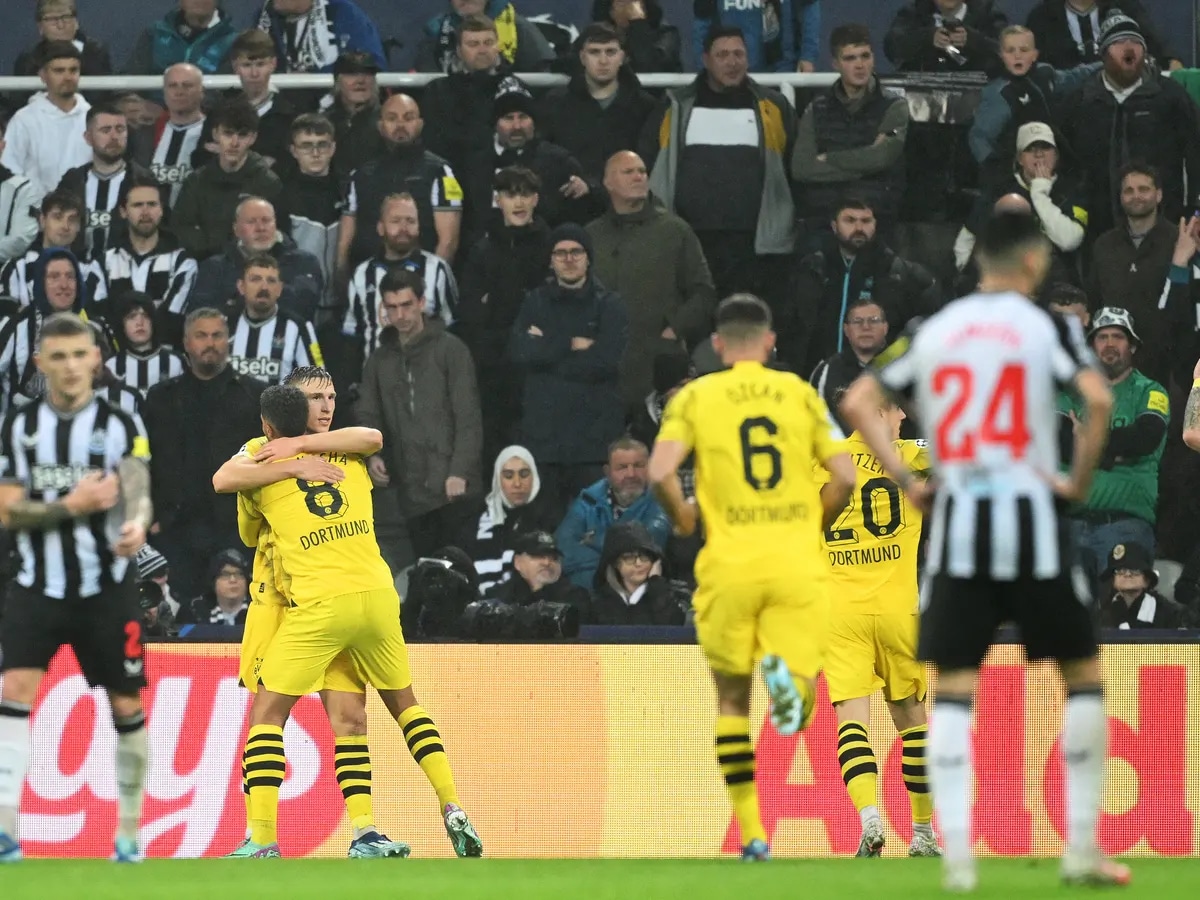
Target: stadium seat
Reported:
point(1168, 573)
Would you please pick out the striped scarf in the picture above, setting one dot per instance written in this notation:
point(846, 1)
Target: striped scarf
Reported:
point(316, 45)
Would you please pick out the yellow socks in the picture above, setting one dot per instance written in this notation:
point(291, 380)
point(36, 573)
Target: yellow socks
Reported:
point(857, 759)
point(735, 755)
point(425, 745)
point(265, 767)
point(916, 776)
point(352, 765)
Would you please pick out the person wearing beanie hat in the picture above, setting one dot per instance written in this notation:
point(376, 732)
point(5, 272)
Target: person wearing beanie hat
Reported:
point(566, 194)
point(1070, 34)
point(140, 361)
point(672, 370)
point(569, 338)
point(1129, 599)
point(227, 599)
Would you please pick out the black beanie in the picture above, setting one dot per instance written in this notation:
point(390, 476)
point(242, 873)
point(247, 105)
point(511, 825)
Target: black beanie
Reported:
point(569, 231)
point(1117, 26)
point(512, 96)
point(670, 368)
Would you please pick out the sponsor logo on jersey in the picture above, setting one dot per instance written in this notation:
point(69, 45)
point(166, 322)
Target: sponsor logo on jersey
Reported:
point(258, 367)
point(99, 218)
point(175, 174)
point(57, 478)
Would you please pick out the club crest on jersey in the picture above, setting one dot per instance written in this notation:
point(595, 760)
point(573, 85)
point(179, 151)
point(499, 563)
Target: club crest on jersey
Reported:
point(96, 444)
point(133, 667)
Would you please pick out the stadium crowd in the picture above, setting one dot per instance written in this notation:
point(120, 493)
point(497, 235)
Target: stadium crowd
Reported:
point(510, 283)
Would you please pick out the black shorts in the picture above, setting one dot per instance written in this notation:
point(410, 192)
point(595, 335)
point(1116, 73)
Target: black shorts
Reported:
point(104, 630)
point(961, 615)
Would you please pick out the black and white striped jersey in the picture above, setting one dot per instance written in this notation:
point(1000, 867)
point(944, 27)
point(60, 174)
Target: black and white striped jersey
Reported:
point(47, 453)
point(141, 371)
point(167, 275)
point(19, 331)
point(984, 375)
point(362, 314)
point(101, 197)
point(270, 349)
point(16, 278)
point(171, 162)
point(123, 397)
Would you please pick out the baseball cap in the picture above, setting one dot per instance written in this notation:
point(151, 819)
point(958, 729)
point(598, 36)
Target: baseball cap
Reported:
point(1034, 133)
point(356, 62)
point(536, 543)
point(1113, 317)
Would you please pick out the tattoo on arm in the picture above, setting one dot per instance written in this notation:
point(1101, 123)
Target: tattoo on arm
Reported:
point(37, 515)
point(135, 490)
point(1191, 413)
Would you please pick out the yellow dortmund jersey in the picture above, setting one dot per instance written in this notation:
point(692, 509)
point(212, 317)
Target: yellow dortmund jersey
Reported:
point(263, 575)
point(325, 533)
point(872, 547)
point(757, 434)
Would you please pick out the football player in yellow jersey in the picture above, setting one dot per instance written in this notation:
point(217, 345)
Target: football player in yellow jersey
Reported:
point(756, 435)
point(872, 551)
point(343, 693)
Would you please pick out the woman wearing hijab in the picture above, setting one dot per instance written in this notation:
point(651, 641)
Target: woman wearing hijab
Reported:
point(513, 507)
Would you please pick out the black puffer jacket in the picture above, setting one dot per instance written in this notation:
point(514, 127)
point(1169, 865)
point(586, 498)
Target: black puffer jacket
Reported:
point(909, 41)
point(651, 45)
point(652, 604)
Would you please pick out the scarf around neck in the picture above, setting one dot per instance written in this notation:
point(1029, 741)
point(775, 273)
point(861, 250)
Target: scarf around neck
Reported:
point(315, 46)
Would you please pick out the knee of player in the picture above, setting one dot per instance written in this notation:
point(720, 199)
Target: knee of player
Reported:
point(1081, 674)
point(125, 707)
point(347, 716)
point(21, 686)
point(733, 693)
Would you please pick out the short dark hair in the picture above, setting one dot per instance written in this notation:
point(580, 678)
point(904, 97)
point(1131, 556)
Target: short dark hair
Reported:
point(849, 35)
point(473, 23)
point(722, 31)
point(625, 442)
point(253, 43)
point(309, 373)
point(285, 408)
point(235, 114)
point(398, 279)
point(517, 180)
point(1063, 293)
point(312, 123)
point(600, 33)
point(67, 201)
point(1139, 167)
point(48, 51)
point(259, 261)
point(851, 201)
point(102, 108)
point(741, 316)
point(65, 324)
point(859, 302)
point(138, 180)
point(1006, 236)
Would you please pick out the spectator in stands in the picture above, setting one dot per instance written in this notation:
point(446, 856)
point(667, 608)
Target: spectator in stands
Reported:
point(141, 360)
point(503, 266)
point(399, 232)
point(1068, 301)
point(199, 33)
point(57, 21)
point(195, 422)
point(1055, 200)
point(315, 193)
point(18, 197)
point(946, 36)
point(767, 30)
point(102, 182)
point(851, 139)
point(44, 138)
point(458, 107)
point(603, 109)
point(419, 389)
point(1130, 264)
point(1026, 91)
point(522, 45)
point(172, 147)
point(537, 576)
point(629, 587)
point(1121, 506)
point(267, 342)
point(152, 567)
point(853, 264)
point(256, 232)
point(309, 34)
point(620, 496)
point(353, 108)
point(568, 339)
point(515, 506)
point(568, 195)
point(405, 167)
point(108, 385)
point(252, 57)
point(227, 598)
point(60, 223)
point(1069, 31)
point(650, 44)
point(864, 335)
point(1125, 113)
point(725, 129)
point(1129, 600)
point(653, 260)
point(147, 258)
point(210, 196)
point(806, 19)
point(672, 370)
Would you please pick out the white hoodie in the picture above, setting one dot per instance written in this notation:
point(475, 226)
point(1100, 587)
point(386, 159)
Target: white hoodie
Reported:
point(43, 142)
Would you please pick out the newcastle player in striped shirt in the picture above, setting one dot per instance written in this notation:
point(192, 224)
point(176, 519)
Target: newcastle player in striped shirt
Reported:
point(983, 376)
point(266, 342)
point(75, 492)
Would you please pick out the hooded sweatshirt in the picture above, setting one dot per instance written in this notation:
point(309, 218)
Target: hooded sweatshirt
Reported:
point(42, 142)
point(652, 602)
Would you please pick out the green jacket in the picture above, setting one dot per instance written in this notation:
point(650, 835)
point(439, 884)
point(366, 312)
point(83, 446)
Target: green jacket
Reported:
point(203, 214)
point(654, 262)
point(777, 130)
point(1190, 80)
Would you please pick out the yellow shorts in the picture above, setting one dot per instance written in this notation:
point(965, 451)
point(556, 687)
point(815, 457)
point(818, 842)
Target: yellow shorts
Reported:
point(263, 621)
point(365, 625)
point(869, 651)
point(742, 615)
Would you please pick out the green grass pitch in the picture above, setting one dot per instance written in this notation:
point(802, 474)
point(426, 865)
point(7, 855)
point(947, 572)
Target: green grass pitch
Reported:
point(565, 879)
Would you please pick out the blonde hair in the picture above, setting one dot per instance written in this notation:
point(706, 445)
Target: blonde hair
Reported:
point(1017, 31)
